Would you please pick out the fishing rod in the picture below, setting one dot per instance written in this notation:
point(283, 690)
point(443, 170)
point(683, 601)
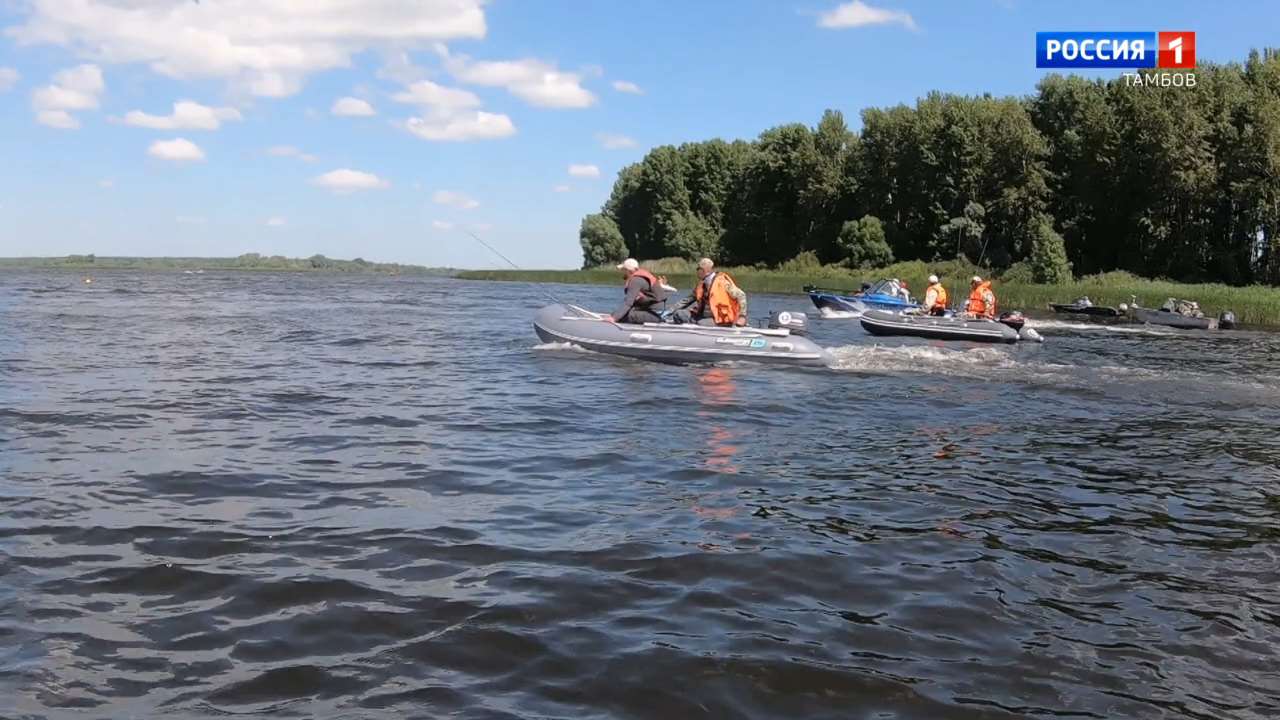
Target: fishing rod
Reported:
point(506, 259)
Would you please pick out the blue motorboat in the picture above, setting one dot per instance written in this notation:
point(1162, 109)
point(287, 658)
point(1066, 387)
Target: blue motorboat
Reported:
point(875, 297)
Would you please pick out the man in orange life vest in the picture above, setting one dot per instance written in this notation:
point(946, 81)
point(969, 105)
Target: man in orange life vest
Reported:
point(716, 299)
point(642, 293)
point(982, 302)
point(935, 298)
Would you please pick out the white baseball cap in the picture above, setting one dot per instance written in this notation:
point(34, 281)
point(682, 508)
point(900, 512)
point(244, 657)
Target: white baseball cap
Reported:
point(933, 278)
point(630, 265)
point(977, 279)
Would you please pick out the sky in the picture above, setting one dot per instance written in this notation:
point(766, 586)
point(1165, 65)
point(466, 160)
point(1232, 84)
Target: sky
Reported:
point(385, 129)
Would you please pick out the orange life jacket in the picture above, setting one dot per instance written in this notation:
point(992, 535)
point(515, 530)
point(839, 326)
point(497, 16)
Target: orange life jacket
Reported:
point(939, 300)
point(724, 309)
point(655, 293)
point(978, 305)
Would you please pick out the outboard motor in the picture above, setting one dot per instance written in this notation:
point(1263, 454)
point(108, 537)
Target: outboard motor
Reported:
point(1227, 320)
point(1013, 319)
point(796, 322)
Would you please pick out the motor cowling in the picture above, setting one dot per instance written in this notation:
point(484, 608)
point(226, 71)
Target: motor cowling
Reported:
point(1227, 320)
point(796, 322)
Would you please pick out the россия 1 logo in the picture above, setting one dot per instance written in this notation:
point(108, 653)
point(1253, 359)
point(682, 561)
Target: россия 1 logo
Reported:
point(1162, 50)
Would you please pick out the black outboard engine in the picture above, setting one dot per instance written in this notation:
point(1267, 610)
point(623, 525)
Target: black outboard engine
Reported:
point(1227, 320)
point(1013, 319)
point(796, 322)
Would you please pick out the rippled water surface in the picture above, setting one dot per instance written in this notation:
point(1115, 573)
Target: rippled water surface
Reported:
point(381, 497)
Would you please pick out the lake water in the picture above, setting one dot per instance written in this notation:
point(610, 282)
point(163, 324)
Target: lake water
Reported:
point(382, 497)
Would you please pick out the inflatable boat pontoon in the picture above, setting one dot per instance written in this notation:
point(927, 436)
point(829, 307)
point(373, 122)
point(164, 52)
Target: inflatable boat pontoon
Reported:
point(781, 343)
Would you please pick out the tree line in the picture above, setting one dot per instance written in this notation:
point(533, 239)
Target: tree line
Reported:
point(1084, 176)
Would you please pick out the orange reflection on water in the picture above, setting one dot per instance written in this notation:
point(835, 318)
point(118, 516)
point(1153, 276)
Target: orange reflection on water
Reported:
point(717, 393)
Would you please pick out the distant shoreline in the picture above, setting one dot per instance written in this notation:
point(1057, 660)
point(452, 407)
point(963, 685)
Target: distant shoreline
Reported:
point(251, 262)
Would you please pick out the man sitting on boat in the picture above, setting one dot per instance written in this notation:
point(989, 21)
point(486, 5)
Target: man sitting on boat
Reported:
point(1188, 308)
point(642, 294)
point(935, 298)
point(716, 299)
point(982, 302)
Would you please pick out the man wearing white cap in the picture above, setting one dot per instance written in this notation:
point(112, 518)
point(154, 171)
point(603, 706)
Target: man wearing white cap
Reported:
point(935, 298)
point(982, 302)
point(642, 292)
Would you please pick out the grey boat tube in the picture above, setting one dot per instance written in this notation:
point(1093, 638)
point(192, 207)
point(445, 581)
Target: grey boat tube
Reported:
point(678, 344)
point(879, 322)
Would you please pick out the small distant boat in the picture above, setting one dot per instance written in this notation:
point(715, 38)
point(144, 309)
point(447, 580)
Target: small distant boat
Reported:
point(873, 297)
point(1182, 314)
point(1084, 306)
point(949, 327)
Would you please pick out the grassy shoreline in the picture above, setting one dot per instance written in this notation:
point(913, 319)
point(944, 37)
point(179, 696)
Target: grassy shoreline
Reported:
point(247, 263)
point(1253, 305)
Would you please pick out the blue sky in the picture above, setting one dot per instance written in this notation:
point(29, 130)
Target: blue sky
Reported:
point(479, 109)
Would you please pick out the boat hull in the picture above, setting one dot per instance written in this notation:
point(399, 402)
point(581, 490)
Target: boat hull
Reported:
point(1092, 311)
point(1173, 320)
point(878, 322)
point(859, 303)
point(676, 344)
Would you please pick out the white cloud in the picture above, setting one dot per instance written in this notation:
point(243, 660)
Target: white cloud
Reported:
point(561, 188)
point(60, 119)
point(613, 141)
point(190, 220)
point(482, 227)
point(399, 67)
point(186, 115)
point(8, 78)
point(441, 225)
point(859, 14)
point(449, 114)
point(454, 199)
point(290, 151)
point(176, 150)
point(276, 222)
point(73, 89)
point(346, 181)
point(437, 98)
point(623, 86)
point(352, 107)
point(476, 125)
point(535, 81)
point(584, 171)
point(267, 47)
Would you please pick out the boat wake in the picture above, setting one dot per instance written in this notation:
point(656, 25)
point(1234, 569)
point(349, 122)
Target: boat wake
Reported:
point(916, 358)
point(830, 314)
point(560, 347)
point(1052, 325)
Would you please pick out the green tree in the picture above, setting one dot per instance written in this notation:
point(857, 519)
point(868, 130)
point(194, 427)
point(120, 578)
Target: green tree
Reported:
point(862, 243)
point(1048, 255)
point(601, 241)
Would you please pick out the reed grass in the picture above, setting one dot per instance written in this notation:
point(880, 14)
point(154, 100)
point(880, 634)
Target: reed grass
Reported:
point(1253, 305)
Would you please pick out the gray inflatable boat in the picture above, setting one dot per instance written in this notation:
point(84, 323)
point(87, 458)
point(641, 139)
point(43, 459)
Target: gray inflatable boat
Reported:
point(781, 344)
point(880, 322)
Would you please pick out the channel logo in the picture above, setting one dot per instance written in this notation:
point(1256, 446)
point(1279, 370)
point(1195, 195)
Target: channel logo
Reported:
point(1172, 50)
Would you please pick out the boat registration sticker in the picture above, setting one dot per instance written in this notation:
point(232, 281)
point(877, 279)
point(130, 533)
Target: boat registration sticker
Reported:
point(758, 343)
point(739, 342)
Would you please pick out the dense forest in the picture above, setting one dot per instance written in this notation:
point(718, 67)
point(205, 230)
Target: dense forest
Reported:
point(247, 261)
point(1084, 176)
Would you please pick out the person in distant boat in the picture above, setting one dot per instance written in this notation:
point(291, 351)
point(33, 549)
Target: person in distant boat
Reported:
point(935, 298)
point(642, 294)
point(904, 292)
point(982, 301)
point(716, 299)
